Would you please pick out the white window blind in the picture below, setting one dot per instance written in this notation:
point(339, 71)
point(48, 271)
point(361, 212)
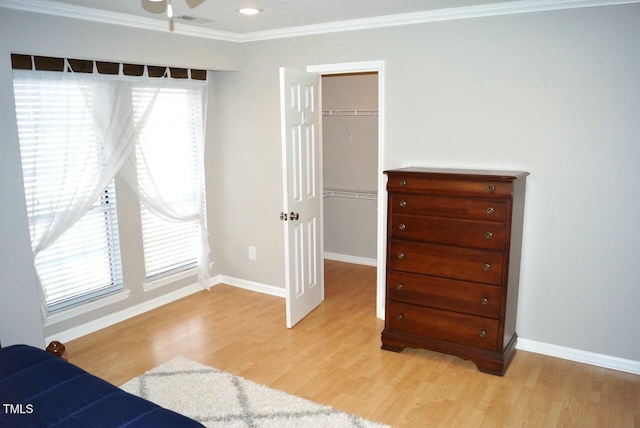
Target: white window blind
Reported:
point(168, 162)
point(84, 263)
point(57, 142)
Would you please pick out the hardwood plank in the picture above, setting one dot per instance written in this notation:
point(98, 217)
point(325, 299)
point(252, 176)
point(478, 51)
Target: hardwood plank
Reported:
point(333, 357)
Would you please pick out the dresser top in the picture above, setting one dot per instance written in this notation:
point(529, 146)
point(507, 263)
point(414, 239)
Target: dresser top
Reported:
point(451, 172)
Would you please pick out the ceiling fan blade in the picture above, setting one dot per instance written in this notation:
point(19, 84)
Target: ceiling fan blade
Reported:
point(194, 3)
point(153, 6)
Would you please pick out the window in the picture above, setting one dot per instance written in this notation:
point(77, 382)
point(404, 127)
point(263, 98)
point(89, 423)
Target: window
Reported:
point(168, 162)
point(58, 144)
point(77, 133)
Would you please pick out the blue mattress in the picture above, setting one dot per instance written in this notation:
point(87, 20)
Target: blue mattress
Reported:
point(38, 389)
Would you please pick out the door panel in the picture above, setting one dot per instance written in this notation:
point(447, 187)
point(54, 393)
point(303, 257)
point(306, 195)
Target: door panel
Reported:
point(302, 195)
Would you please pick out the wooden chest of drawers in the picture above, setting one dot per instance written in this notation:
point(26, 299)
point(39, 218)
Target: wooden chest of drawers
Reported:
point(453, 263)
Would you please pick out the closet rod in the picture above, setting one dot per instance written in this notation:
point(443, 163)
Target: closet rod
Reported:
point(350, 194)
point(349, 112)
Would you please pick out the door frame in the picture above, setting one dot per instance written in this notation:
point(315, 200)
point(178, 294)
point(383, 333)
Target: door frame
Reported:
point(377, 67)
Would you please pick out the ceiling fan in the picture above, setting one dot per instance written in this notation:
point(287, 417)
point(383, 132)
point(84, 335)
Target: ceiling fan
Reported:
point(190, 3)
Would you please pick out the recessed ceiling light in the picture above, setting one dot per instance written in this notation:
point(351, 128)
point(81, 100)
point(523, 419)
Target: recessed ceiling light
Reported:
point(249, 11)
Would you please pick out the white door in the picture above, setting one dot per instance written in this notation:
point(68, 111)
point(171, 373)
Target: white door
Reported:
point(302, 214)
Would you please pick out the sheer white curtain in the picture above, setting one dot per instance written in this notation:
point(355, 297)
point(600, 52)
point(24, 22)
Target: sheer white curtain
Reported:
point(98, 144)
point(174, 199)
point(82, 173)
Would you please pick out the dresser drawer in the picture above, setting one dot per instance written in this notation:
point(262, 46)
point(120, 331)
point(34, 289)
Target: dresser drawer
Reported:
point(446, 261)
point(480, 209)
point(460, 186)
point(442, 293)
point(439, 230)
point(453, 327)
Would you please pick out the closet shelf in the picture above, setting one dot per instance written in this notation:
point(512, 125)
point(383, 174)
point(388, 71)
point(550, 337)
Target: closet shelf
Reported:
point(350, 194)
point(349, 112)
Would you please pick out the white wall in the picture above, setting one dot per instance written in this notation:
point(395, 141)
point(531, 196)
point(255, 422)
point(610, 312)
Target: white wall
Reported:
point(20, 319)
point(556, 94)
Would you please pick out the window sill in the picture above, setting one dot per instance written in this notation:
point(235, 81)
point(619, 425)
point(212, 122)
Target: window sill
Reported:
point(83, 308)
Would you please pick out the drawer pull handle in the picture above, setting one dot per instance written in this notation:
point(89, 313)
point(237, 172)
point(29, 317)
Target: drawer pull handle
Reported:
point(490, 210)
point(488, 235)
point(402, 226)
point(491, 189)
point(483, 333)
point(400, 317)
point(403, 183)
point(487, 266)
point(403, 204)
point(399, 287)
point(485, 301)
point(401, 256)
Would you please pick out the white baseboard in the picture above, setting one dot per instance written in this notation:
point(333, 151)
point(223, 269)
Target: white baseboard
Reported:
point(350, 259)
point(251, 285)
point(586, 357)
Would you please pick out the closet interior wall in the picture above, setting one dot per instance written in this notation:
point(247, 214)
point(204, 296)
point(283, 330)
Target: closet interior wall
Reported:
point(350, 163)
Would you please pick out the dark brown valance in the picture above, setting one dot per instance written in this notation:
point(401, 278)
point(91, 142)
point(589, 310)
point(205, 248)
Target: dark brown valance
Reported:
point(29, 62)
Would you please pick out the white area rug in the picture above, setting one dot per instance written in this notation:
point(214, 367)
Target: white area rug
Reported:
point(219, 399)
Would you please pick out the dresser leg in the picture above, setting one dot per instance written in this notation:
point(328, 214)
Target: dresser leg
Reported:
point(494, 368)
point(392, 344)
point(498, 365)
point(392, 348)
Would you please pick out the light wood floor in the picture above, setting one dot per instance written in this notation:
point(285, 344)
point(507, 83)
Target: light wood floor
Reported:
point(333, 357)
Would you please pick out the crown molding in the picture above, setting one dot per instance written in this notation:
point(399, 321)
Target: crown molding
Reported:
point(449, 14)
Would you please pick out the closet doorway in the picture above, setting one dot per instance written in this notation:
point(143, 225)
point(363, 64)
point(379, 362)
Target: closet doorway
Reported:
point(350, 166)
point(377, 69)
point(350, 125)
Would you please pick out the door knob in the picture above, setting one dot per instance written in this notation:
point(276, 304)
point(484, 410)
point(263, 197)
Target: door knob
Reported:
point(283, 216)
point(294, 216)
